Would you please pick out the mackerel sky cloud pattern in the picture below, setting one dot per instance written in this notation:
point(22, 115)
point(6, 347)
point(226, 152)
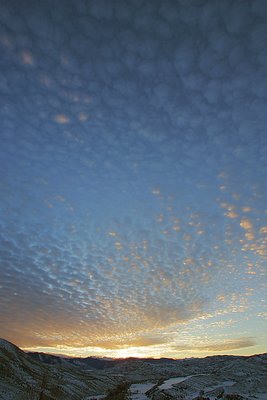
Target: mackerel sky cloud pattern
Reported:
point(133, 176)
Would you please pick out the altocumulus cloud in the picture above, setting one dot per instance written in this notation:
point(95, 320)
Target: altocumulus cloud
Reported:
point(134, 149)
point(224, 345)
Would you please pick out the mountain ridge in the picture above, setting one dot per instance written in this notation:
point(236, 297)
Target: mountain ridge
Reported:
point(27, 376)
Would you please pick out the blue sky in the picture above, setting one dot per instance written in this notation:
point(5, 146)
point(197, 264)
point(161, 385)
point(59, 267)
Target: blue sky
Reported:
point(133, 176)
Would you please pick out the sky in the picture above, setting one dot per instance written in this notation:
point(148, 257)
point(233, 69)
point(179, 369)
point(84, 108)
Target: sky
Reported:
point(133, 166)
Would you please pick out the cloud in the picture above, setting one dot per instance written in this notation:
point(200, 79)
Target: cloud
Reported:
point(232, 344)
point(137, 341)
point(224, 345)
point(120, 99)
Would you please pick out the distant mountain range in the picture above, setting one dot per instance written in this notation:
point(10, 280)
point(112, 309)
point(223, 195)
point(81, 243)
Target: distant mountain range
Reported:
point(39, 376)
point(92, 362)
point(88, 362)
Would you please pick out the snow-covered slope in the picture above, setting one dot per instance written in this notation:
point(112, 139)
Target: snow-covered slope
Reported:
point(28, 377)
point(23, 378)
point(224, 377)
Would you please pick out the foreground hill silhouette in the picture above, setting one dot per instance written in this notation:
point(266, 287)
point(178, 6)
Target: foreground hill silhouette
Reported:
point(23, 377)
point(33, 376)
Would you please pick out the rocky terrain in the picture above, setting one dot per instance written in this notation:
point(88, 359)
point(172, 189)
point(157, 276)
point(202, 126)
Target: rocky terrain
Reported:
point(35, 376)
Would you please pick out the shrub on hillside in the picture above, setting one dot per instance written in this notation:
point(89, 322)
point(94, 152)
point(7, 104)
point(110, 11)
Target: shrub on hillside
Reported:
point(120, 392)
